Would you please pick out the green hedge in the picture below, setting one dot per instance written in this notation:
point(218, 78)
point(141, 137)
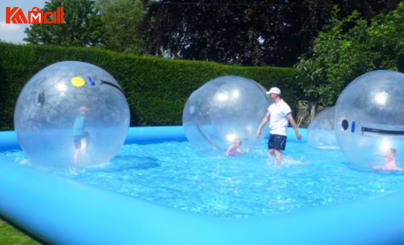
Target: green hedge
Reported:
point(156, 88)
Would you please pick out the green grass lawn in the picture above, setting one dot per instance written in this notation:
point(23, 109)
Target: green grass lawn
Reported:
point(11, 236)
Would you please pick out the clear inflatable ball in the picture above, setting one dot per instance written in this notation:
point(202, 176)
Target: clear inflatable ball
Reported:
point(320, 133)
point(369, 121)
point(71, 114)
point(222, 111)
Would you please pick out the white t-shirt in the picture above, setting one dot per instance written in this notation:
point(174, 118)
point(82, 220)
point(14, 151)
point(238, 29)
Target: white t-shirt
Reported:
point(278, 121)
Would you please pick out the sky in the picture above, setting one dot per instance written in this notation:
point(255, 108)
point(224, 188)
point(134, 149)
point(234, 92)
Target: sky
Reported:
point(15, 32)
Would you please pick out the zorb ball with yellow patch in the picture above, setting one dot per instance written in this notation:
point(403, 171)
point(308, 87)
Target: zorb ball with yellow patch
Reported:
point(369, 119)
point(222, 110)
point(71, 114)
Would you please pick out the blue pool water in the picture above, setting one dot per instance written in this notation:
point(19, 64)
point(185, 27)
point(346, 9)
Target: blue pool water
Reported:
point(174, 175)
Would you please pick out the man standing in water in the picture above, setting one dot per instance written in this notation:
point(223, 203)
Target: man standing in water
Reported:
point(279, 114)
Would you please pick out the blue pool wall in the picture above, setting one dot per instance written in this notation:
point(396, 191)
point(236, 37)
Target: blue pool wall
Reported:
point(61, 211)
point(138, 135)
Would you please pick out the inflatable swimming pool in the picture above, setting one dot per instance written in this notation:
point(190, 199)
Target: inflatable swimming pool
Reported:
point(61, 211)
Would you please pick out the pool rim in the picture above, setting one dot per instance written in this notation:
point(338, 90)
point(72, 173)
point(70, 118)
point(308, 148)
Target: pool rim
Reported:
point(61, 211)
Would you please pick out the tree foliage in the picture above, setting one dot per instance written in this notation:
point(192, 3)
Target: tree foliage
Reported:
point(83, 25)
point(264, 32)
point(340, 54)
point(121, 19)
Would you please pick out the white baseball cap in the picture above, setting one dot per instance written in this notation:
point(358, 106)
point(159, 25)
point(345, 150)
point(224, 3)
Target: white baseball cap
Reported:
point(274, 90)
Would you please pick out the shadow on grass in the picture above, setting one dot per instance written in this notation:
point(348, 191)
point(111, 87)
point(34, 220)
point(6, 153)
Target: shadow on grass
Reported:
point(13, 234)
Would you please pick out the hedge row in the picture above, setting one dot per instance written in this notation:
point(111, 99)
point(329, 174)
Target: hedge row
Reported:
point(156, 88)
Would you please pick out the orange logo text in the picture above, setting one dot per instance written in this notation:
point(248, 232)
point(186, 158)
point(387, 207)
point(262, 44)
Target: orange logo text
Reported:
point(35, 16)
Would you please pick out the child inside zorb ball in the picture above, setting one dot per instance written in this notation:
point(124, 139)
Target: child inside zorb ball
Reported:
point(71, 114)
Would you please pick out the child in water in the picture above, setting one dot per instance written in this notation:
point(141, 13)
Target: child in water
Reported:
point(234, 149)
point(80, 135)
point(389, 161)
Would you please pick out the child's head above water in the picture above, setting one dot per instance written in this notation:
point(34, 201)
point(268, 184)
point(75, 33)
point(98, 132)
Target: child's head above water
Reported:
point(237, 142)
point(83, 110)
point(391, 152)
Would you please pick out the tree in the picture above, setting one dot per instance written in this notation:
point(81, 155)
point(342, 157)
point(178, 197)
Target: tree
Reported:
point(253, 32)
point(121, 19)
point(340, 54)
point(83, 25)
